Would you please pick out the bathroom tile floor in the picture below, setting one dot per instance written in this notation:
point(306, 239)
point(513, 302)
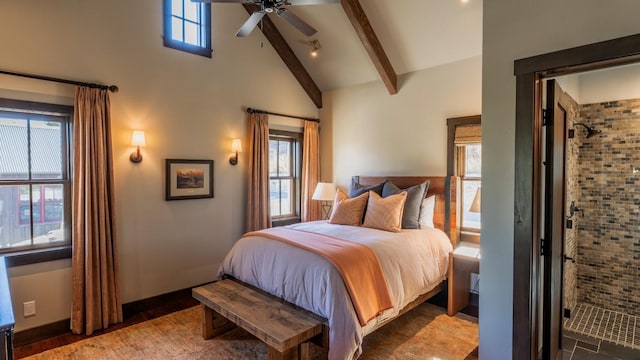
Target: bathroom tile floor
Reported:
point(612, 326)
point(582, 347)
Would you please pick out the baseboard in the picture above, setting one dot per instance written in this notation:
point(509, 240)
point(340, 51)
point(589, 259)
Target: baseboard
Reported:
point(138, 306)
point(46, 331)
point(62, 327)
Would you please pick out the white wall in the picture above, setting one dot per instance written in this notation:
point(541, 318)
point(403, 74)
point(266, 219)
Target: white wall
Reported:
point(189, 106)
point(617, 83)
point(621, 83)
point(374, 133)
point(515, 29)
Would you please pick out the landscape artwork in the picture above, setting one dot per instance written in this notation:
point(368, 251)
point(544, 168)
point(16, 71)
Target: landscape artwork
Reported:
point(188, 179)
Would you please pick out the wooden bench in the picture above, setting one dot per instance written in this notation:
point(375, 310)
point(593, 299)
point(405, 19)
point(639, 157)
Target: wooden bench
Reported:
point(284, 328)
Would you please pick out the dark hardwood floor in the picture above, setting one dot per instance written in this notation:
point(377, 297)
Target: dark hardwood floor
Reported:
point(133, 313)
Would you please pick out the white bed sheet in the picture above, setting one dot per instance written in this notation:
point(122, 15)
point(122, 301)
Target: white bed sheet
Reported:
point(413, 262)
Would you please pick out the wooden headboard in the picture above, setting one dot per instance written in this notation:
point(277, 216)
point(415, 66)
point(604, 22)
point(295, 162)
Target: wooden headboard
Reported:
point(445, 188)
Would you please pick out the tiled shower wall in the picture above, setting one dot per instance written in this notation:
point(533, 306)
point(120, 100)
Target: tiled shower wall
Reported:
point(609, 192)
point(572, 190)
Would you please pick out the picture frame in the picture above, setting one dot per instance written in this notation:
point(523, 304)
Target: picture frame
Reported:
point(188, 179)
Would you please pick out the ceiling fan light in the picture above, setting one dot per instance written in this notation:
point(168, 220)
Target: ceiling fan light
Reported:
point(315, 48)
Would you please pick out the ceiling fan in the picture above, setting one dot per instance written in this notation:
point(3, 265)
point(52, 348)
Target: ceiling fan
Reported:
point(277, 6)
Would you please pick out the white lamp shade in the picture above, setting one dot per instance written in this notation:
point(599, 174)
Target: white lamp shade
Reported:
point(236, 145)
point(137, 139)
point(476, 204)
point(324, 191)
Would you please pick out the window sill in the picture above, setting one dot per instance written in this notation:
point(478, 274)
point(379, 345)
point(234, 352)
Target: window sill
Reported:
point(285, 221)
point(193, 49)
point(472, 237)
point(37, 256)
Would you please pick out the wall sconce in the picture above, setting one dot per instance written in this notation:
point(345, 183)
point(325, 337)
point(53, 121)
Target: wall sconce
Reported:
point(315, 45)
point(236, 147)
point(137, 140)
point(325, 192)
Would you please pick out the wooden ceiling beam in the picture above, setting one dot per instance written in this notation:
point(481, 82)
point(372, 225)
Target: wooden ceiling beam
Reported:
point(363, 28)
point(287, 55)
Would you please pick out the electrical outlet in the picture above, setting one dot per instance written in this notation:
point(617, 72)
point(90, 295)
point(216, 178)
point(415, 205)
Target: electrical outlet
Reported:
point(29, 308)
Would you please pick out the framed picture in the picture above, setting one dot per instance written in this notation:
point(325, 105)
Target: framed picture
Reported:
point(188, 179)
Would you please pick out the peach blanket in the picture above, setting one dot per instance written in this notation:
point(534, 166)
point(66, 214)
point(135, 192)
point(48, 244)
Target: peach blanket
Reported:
point(357, 264)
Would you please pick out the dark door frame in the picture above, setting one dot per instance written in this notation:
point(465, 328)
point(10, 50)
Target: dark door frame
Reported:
point(528, 151)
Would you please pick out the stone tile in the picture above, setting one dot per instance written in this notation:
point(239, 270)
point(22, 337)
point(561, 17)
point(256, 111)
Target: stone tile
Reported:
point(618, 352)
point(566, 355)
point(583, 354)
point(608, 191)
point(568, 343)
point(586, 345)
point(581, 337)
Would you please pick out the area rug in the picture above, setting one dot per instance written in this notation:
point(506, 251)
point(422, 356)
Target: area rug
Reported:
point(423, 333)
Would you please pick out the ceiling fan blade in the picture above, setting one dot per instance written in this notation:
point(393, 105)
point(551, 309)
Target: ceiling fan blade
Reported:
point(298, 23)
point(222, 1)
point(312, 2)
point(250, 24)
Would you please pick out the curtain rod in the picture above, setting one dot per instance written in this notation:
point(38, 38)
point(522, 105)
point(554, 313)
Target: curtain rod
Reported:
point(112, 88)
point(258, 111)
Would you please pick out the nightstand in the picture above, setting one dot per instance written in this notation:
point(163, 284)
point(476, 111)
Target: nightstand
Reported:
point(463, 261)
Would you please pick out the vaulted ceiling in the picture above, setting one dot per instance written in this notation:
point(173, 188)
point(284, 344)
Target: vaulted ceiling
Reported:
point(414, 34)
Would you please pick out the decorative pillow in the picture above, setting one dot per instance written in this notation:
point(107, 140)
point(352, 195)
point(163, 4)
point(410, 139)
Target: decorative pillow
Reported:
point(426, 214)
point(385, 213)
point(413, 204)
point(357, 189)
point(346, 210)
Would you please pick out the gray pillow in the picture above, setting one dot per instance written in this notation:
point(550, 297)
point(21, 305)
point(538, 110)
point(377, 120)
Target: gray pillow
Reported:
point(358, 189)
point(413, 204)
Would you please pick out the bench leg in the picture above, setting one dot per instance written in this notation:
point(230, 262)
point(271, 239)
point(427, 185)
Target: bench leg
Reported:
point(303, 351)
point(214, 324)
point(300, 352)
point(322, 340)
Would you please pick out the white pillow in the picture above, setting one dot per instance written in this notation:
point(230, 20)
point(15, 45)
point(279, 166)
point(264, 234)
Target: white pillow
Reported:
point(426, 212)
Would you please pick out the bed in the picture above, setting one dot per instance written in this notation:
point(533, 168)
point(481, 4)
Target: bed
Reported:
point(414, 263)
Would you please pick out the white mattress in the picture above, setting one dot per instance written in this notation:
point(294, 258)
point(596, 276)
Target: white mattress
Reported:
point(413, 262)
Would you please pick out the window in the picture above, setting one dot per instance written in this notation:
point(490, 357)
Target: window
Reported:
point(469, 165)
point(35, 187)
point(284, 175)
point(187, 26)
point(464, 159)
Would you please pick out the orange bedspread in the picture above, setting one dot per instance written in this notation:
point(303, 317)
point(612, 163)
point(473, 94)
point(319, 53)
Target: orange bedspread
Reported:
point(357, 263)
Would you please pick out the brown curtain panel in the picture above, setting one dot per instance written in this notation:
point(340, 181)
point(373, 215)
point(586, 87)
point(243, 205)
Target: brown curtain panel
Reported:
point(311, 209)
point(96, 299)
point(258, 215)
